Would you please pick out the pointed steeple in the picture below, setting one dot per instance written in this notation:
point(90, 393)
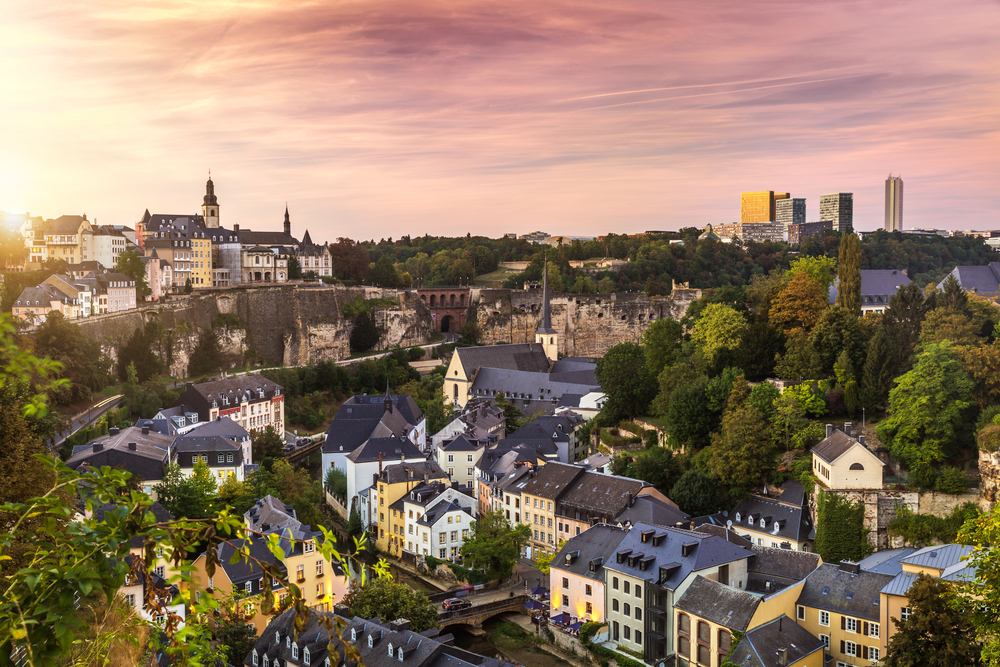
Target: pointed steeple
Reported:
point(288, 224)
point(388, 397)
point(306, 239)
point(545, 327)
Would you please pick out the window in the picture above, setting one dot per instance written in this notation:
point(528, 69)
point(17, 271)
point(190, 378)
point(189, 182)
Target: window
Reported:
point(850, 648)
point(210, 582)
point(130, 599)
point(248, 586)
point(469, 458)
point(441, 538)
point(627, 610)
point(826, 640)
point(638, 636)
point(683, 646)
point(614, 604)
point(320, 589)
point(873, 630)
point(295, 650)
point(565, 601)
point(300, 572)
point(851, 624)
point(220, 458)
point(626, 587)
point(255, 657)
point(587, 590)
point(614, 583)
point(704, 632)
point(904, 614)
point(638, 591)
point(471, 471)
point(704, 656)
point(725, 642)
point(308, 547)
point(566, 582)
point(638, 613)
point(627, 632)
point(800, 612)
point(451, 458)
point(824, 619)
point(873, 653)
point(319, 568)
point(590, 608)
point(229, 458)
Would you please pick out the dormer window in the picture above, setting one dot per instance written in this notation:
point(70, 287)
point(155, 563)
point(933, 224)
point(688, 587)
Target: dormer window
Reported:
point(305, 657)
point(266, 661)
point(354, 634)
point(255, 657)
point(400, 653)
point(370, 643)
point(738, 517)
point(390, 649)
point(288, 641)
point(295, 650)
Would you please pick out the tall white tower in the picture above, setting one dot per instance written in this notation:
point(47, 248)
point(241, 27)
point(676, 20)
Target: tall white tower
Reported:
point(894, 203)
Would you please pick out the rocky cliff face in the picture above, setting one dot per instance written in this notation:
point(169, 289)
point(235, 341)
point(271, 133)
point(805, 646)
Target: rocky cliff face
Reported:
point(989, 475)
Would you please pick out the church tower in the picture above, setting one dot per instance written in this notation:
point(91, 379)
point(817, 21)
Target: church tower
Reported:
point(210, 206)
point(288, 223)
point(546, 335)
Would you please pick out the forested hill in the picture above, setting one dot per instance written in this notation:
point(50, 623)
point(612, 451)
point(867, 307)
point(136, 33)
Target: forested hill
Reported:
point(656, 261)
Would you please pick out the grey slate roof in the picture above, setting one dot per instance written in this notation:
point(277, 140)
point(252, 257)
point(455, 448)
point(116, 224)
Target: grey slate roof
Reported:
point(782, 521)
point(709, 551)
point(724, 605)
point(877, 286)
point(832, 448)
point(64, 224)
point(460, 443)
point(224, 427)
point(199, 397)
point(518, 356)
point(833, 589)
point(148, 459)
point(771, 570)
point(208, 443)
point(269, 511)
point(401, 472)
point(249, 237)
point(652, 510)
point(886, 561)
point(365, 416)
point(519, 384)
point(439, 509)
point(600, 494)
point(551, 480)
point(760, 646)
point(595, 545)
point(983, 280)
point(390, 448)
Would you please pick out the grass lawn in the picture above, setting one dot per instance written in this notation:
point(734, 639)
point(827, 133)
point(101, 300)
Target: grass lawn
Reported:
point(495, 278)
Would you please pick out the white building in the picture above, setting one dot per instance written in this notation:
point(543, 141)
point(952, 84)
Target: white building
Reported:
point(366, 463)
point(438, 521)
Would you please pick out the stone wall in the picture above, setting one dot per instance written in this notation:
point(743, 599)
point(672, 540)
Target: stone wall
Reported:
point(989, 476)
point(587, 324)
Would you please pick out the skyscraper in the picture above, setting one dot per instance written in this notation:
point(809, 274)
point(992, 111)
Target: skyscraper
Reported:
point(838, 209)
point(757, 206)
point(894, 203)
point(790, 211)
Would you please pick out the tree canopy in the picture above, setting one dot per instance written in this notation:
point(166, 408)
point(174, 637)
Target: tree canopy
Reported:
point(494, 546)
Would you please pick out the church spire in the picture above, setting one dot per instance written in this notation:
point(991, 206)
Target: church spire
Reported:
point(545, 327)
point(288, 224)
point(210, 205)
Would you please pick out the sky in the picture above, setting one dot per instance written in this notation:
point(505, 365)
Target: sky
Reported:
point(379, 119)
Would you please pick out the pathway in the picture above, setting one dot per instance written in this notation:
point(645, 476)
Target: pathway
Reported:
point(87, 417)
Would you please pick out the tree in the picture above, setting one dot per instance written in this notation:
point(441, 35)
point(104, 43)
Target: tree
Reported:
point(743, 456)
point(494, 546)
point(902, 320)
point(759, 346)
point(981, 596)
point(544, 561)
point(840, 529)
point(838, 331)
point(365, 335)
point(762, 398)
point(982, 363)
point(84, 364)
point(689, 419)
point(820, 269)
point(294, 268)
point(943, 324)
point(800, 360)
point(849, 275)
point(235, 634)
point(336, 482)
point(876, 376)
point(718, 328)
point(267, 444)
point(188, 496)
point(799, 305)
point(626, 382)
point(130, 263)
point(349, 260)
point(140, 349)
point(671, 377)
point(658, 467)
point(927, 408)
point(188, 288)
point(695, 493)
point(206, 356)
point(661, 341)
point(383, 272)
point(388, 599)
point(937, 633)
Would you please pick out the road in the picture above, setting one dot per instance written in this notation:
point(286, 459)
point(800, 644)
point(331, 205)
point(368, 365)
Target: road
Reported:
point(524, 572)
point(87, 417)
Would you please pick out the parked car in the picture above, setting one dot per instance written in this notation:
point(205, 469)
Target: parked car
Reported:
point(454, 604)
point(303, 441)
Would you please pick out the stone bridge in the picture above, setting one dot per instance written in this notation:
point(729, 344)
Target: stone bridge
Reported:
point(476, 615)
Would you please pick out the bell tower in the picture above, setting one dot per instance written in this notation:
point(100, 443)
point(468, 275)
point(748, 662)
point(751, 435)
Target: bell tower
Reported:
point(210, 205)
point(546, 336)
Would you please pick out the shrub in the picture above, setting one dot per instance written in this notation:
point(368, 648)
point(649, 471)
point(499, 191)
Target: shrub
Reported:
point(988, 438)
point(230, 320)
point(923, 476)
point(919, 530)
point(952, 480)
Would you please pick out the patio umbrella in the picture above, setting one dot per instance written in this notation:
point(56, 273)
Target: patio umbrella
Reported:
point(534, 606)
point(576, 626)
point(561, 619)
point(540, 591)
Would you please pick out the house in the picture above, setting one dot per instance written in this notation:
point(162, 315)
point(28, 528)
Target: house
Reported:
point(478, 420)
point(459, 456)
point(314, 258)
point(381, 644)
point(552, 434)
point(34, 304)
point(174, 248)
point(64, 237)
point(576, 574)
point(103, 244)
point(442, 528)
point(393, 483)
point(877, 288)
point(595, 497)
point(498, 473)
point(841, 461)
point(146, 592)
point(365, 416)
point(222, 456)
point(228, 429)
point(539, 493)
point(142, 452)
point(653, 567)
point(163, 567)
point(586, 405)
point(78, 290)
point(252, 401)
point(367, 463)
point(779, 643)
point(981, 280)
point(706, 617)
point(840, 605)
point(783, 522)
point(321, 583)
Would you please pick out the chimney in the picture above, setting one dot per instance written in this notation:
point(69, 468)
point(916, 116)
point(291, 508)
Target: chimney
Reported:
point(848, 566)
point(236, 229)
point(131, 446)
point(113, 430)
point(829, 430)
point(782, 652)
point(98, 446)
point(861, 439)
point(145, 430)
point(265, 527)
point(847, 427)
point(341, 610)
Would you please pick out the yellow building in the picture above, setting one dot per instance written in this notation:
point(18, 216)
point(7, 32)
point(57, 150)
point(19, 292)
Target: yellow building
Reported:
point(843, 462)
point(759, 206)
point(395, 482)
point(201, 262)
point(778, 643)
point(841, 606)
point(64, 237)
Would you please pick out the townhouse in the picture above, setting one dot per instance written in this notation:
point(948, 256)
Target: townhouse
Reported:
point(779, 643)
point(784, 521)
point(222, 456)
point(444, 526)
point(34, 304)
point(392, 483)
point(539, 492)
point(64, 237)
point(840, 604)
point(478, 420)
point(576, 575)
point(143, 453)
point(252, 401)
point(365, 466)
point(459, 456)
point(498, 473)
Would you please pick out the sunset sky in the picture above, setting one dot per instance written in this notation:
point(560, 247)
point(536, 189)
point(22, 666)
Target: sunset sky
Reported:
point(377, 119)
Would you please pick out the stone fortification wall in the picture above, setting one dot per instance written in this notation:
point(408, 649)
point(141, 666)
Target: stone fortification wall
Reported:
point(587, 324)
point(989, 476)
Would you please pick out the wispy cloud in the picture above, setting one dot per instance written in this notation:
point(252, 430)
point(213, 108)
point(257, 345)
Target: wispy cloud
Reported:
point(378, 119)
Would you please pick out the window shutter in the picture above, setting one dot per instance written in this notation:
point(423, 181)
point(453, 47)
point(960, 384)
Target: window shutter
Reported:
point(866, 630)
point(864, 650)
point(843, 624)
point(843, 647)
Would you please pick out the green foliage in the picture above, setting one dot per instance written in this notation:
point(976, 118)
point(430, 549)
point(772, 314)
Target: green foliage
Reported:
point(759, 346)
point(743, 456)
point(696, 493)
point(626, 381)
point(188, 288)
point(988, 438)
point(388, 599)
point(689, 419)
point(809, 397)
point(494, 546)
point(658, 467)
point(718, 328)
point(981, 597)
point(799, 305)
point(838, 337)
point(937, 633)
point(188, 496)
point(267, 443)
point(851, 399)
point(661, 342)
point(800, 361)
point(207, 355)
point(952, 480)
point(236, 638)
point(84, 365)
point(920, 530)
point(336, 482)
point(820, 269)
point(428, 394)
point(589, 629)
point(762, 398)
point(130, 264)
point(383, 273)
point(671, 377)
point(141, 350)
point(228, 321)
point(849, 274)
point(840, 529)
point(364, 335)
point(294, 268)
point(927, 408)
point(544, 560)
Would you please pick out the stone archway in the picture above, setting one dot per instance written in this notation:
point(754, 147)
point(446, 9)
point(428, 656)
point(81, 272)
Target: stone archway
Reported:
point(449, 324)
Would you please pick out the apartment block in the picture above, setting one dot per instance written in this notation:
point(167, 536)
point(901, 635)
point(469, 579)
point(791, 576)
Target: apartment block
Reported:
point(839, 210)
point(790, 211)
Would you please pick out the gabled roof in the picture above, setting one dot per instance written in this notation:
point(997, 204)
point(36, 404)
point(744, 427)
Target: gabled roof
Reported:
point(416, 470)
point(834, 589)
point(651, 510)
point(836, 445)
point(519, 357)
point(460, 443)
point(761, 646)
point(781, 521)
point(983, 280)
point(439, 510)
point(65, 224)
point(390, 448)
point(223, 426)
point(551, 480)
point(269, 511)
point(881, 283)
point(886, 561)
point(597, 542)
point(940, 557)
point(600, 494)
point(720, 604)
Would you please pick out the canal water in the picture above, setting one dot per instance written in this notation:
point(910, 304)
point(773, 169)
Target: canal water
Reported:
point(498, 644)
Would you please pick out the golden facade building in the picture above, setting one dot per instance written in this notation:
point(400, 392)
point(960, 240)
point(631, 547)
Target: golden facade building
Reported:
point(757, 206)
